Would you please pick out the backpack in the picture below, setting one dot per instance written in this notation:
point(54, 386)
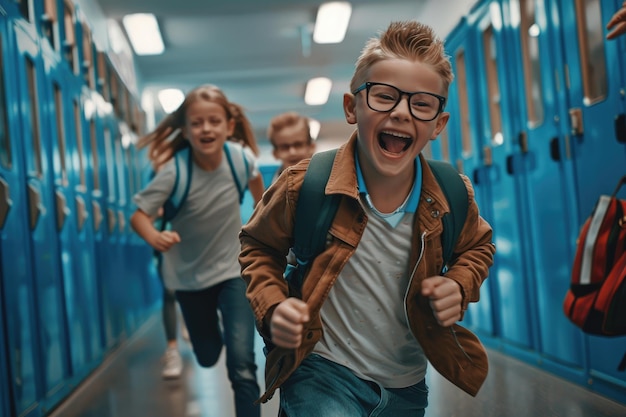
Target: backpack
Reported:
point(310, 236)
point(236, 161)
point(596, 298)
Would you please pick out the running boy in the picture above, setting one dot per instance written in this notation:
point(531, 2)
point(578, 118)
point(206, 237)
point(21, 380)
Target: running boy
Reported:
point(290, 136)
point(375, 307)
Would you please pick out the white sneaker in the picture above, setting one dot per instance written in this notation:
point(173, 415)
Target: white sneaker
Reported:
point(173, 367)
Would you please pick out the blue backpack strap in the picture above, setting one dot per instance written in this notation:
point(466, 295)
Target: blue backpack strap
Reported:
point(238, 166)
point(454, 189)
point(183, 163)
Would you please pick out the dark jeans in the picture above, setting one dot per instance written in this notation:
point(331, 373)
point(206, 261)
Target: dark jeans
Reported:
point(199, 310)
point(321, 388)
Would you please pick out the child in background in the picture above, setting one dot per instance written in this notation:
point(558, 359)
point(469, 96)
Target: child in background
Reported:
point(375, 305)
point(199, 252)
point(290, 136)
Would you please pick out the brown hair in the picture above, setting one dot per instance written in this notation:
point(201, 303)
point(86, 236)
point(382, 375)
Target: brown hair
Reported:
point(167, 138)
point(288, 119)
point(404, 40)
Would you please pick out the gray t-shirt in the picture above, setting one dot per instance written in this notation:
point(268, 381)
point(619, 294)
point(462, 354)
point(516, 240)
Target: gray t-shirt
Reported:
point(208, 223)
point(365, 324)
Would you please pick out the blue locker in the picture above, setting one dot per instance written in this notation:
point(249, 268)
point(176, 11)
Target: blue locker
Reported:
point(42, 220)
point(140, 255)
point(544, 175)
point(92, 122)
point(77, 254)
point(117, 258)
point(19, 301)
point(464, 155)
point(113, 263)
point(129, 243)
point(514, 321)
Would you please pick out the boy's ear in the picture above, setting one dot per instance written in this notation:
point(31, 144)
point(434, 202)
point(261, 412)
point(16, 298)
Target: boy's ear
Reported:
point(442, 121)
point(349, 102)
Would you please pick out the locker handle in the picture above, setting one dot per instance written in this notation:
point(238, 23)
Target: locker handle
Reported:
point(620, 128)
point(121, 221)
point(522, 139)
point(576, 121)
point(97, 215)
point(62, 210)
point(81, 212)
point(36, 208)
point(509, 165)
point(111, 216)
point(5, 202)
point(555, 151)
point(475, 177)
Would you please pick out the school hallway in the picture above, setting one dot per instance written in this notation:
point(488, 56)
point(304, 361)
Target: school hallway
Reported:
point(129, 384)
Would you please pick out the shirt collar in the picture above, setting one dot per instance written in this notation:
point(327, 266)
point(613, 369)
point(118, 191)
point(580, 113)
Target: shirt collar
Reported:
point(408, 206)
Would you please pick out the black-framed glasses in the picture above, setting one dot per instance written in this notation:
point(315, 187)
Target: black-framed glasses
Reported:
point(384, 98)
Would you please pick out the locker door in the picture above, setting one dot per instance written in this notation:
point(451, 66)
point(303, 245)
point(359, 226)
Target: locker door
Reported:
point(78, 256)
point(595, 97)
point(101, 136)
point(123, 248)
point(17, 305)
point(91, 105)
point(48, 284)
point(546, 173)
point(515, 318)
point(112, 265)
point(464, 152)
point(137, 254)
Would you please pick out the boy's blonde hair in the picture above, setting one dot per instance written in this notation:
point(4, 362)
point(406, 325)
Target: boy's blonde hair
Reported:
point(288, 119)
point(167, 138)
point(404, 40)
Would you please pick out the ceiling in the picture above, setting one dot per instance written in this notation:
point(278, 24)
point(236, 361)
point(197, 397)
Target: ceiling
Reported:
point(261, 53)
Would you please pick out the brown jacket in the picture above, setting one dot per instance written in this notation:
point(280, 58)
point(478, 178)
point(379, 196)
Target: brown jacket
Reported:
point(454, 351)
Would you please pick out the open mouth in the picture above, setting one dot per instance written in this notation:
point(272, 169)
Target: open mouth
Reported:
point(206, 141)
point(394, 142)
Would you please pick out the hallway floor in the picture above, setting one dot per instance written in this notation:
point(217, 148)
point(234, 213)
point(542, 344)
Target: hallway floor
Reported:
point(129, 384)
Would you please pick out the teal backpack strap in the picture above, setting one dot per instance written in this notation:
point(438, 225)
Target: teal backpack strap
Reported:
point(184, 163)
point(454, 189)
point(238, 166)
point(315, 212)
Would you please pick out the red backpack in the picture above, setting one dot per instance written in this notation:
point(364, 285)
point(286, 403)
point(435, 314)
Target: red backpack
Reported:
point(596, 299)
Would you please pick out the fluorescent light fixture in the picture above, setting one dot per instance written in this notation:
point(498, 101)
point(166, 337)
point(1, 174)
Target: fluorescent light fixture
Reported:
point(332, 22)
point(143, 32)
point(170, 99)
point(317, 91)
point(314, 128)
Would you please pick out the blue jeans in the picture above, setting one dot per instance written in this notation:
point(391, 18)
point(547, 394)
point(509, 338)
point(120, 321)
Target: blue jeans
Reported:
point(321, 388)
point(199, 309)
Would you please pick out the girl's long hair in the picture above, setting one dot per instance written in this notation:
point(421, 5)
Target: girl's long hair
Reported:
point(167, 138)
